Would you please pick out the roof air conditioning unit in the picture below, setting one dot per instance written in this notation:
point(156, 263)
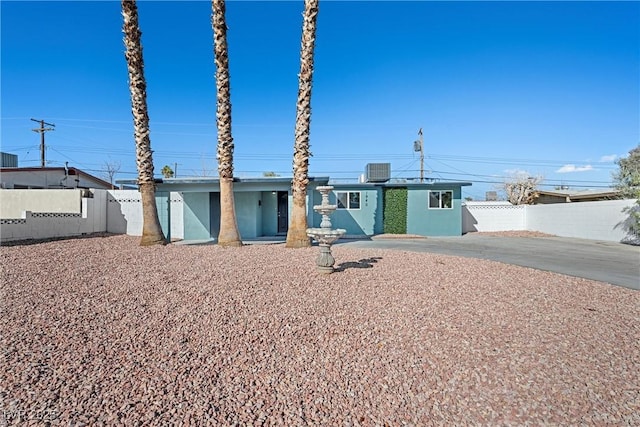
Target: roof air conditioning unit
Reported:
point(8, 160)
point(378, 172)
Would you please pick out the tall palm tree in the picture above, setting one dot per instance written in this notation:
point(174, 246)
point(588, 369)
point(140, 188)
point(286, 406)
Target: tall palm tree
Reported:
point(229, 234)
point(151, 229)
point(296, 235)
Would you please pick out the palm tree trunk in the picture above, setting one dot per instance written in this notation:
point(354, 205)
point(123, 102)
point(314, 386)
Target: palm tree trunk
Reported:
point(151, 229)
point(229, 234)
point(296, 234)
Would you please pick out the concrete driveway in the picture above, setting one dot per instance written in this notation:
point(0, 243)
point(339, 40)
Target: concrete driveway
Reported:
point(610, 262)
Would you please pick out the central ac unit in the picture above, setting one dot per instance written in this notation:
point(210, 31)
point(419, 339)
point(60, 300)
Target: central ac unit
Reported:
point(378, 172)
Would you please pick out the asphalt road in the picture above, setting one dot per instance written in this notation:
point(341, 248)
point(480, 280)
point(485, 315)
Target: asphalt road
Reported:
point(609, 262)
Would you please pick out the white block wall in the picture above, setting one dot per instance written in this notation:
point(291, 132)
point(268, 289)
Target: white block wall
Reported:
point(493, 217)
point(586, 220)
point(13, 203)
point(45, 225)
point(602, 220)
point(124, 213)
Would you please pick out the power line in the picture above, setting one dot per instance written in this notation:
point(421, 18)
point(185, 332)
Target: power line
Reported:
point(338, 157)
point(344, 157)
point(525, 162)
point(67, 157)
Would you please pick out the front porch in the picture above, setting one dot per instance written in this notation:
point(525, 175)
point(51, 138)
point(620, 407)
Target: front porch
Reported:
point(262, 205)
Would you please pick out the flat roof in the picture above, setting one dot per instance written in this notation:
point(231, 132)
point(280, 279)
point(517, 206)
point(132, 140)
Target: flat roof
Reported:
point(216, 180)
point(287, 180)
point(401, 184)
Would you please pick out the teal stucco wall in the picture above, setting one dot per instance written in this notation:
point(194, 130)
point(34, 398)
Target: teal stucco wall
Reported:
point(249, 213)
point(196, 216)
point(164, 213)
point(433, 222)
point(269, 213)
point(358, 222)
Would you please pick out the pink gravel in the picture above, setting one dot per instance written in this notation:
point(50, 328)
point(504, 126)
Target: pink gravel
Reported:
point(99, 331)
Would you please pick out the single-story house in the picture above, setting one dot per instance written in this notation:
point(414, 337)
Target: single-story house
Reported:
point(263, 206)
point(568, 196)
point(49, 177)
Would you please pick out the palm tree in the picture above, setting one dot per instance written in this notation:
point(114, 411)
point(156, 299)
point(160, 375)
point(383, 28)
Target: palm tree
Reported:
point(297, 235)
point(167, 172)
point(151, 229)
point(229, 234)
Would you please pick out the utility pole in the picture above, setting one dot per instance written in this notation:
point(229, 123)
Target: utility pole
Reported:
point(421, 156)
point(41, 130)
point(175, 170)
point(419, 146)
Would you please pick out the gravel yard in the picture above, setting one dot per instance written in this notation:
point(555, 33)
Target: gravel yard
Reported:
point(99, 331)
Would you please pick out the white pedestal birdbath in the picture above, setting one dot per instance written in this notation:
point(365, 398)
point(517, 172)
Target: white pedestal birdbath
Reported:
point(324, 235)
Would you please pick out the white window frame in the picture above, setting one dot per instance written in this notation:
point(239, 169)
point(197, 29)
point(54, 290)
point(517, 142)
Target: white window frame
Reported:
point(348, 206)
point(440, 199)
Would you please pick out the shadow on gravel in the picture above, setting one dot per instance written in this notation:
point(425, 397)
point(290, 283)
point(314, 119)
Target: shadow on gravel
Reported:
point(28, 242)
point(363, 263)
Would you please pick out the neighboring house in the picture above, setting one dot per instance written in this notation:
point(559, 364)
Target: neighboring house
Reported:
point(567, 196)
point(58, 178)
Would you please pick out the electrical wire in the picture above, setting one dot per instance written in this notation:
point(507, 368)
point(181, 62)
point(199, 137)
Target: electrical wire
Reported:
point(89, 146)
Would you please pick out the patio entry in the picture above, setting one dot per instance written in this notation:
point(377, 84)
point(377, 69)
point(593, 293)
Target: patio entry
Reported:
point(214, 214)
point(283, 212)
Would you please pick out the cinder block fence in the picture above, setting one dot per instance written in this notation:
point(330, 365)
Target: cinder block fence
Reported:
point(601, 220)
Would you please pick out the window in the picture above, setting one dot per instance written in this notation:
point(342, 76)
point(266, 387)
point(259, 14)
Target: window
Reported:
point(348, 199)
point(440, 199)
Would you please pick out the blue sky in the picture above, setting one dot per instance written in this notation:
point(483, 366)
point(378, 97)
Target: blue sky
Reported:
point(549, 88)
